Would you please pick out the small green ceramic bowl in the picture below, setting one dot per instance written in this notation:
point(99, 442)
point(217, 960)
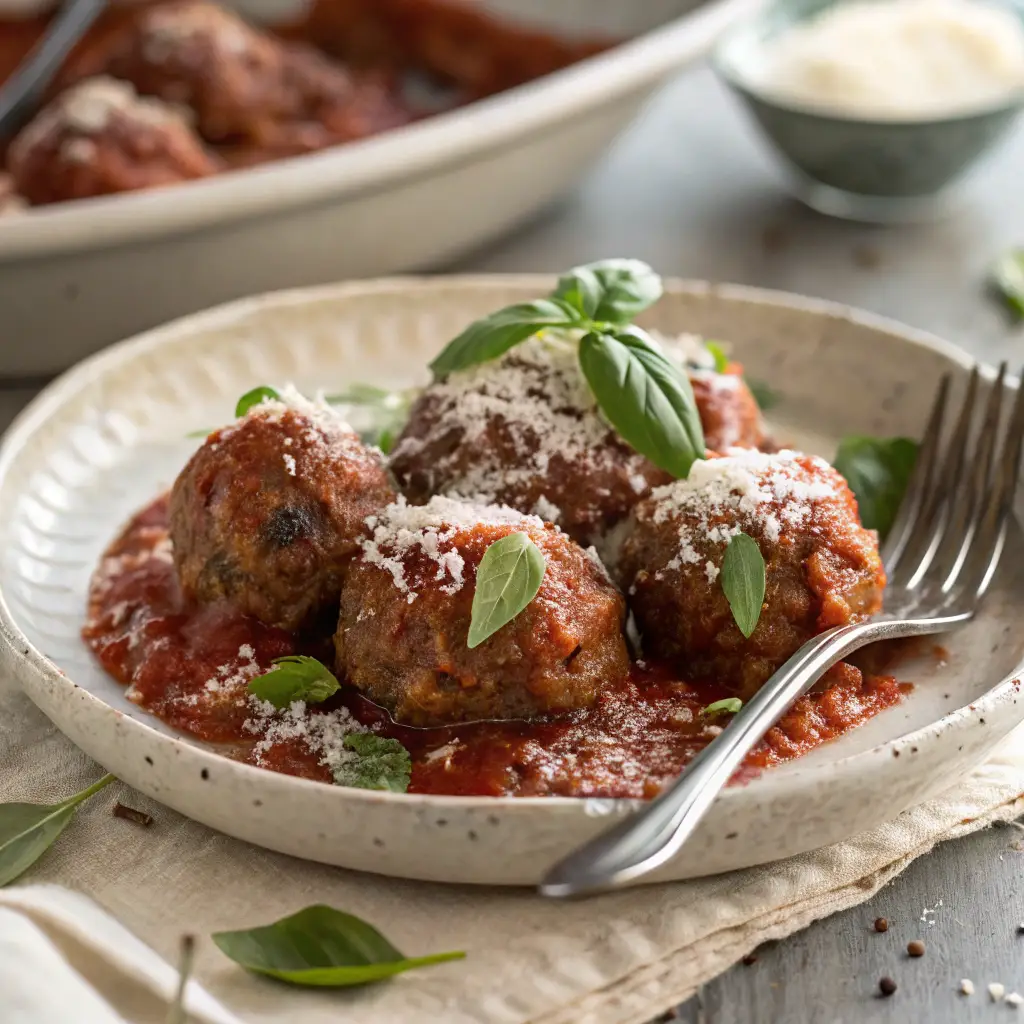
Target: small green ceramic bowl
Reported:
point(874, 170)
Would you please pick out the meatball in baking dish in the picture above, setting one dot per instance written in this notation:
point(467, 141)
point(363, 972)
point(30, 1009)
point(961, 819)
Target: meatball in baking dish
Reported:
point(822, 567)
point(269, 511)
point(247, 87)
point(98, 138)
point(525, 431)
point(406, 609)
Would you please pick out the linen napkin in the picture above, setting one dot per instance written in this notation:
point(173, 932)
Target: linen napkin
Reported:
point(616, 959)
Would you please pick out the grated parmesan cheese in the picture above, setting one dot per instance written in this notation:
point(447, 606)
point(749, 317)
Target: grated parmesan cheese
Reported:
point(430, 530)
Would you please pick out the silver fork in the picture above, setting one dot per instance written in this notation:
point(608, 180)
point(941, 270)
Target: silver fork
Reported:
point(940, 556)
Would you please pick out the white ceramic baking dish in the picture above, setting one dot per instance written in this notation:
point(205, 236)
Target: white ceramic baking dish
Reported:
point(77, 276)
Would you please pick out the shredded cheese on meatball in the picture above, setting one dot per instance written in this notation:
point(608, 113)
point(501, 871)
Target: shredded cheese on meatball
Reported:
point(402, 529)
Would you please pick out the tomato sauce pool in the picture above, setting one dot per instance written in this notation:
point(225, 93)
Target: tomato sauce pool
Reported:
point(190, 666)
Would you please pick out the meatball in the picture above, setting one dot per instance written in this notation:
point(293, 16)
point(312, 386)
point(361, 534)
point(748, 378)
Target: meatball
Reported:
point(245, 86)
point(270, 511)
point(822, 567)
point(406, 609)
point(10, 202)
point(99, 138)
point(524, 431)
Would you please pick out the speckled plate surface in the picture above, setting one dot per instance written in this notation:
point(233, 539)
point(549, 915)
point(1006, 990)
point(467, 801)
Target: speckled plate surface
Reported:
point(107, 436)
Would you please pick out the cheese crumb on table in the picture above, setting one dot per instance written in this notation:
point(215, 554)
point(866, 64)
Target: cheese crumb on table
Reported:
point(996, 991)
point(967, 987)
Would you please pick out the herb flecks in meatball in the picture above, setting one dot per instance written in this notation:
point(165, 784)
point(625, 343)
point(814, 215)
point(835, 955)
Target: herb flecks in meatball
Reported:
point(248, 88)
point(99, 138)
point(822, 567)
point(406, 611)
point(269, 512)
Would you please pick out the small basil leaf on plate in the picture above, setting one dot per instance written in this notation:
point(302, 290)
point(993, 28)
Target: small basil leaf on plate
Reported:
point(295, 677)
point(729, 705)
point(254, 397)
point(610, 291)
point(374, 762)
point(765, 396)
point(645, 397)
point(494, 335)
point(1008, 276)
point(721, 359)
point(507, 580)
point(743, 581)
point(877, 470)
point(321, 947)
point(28, 830)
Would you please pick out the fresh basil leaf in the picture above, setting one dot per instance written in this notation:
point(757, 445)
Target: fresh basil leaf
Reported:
point(387, 411)
point(494, 335)
point(743, 581)
point(320, 947)
point(28, 830)
point(254, 397)
point(507, 580)
point(721, 359)
point(386, 439)
point(610, 291)
point(176, 1014)
point(295, 677)
point(765, 396)
point(1008, 276)
point(380, 763)
point(878, 470)
point(646, 397)
point(729, 704)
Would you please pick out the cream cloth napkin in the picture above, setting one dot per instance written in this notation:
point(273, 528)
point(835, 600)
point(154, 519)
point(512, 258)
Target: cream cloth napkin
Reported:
point(617, 959)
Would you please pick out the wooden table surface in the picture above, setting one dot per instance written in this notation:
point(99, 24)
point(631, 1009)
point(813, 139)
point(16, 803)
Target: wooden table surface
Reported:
point(691, 190)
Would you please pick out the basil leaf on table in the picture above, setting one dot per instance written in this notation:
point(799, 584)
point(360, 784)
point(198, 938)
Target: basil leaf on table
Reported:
point(645, 397)
point(28, 830)
point(254, 397)
point(877, 470)
point(743, 581)
point(507, 580)
point(610, 291)
point(381, 763)
point(1008, 276)
point(729, 705)
point(321, 947)
point(295, 677)
point(494, 335)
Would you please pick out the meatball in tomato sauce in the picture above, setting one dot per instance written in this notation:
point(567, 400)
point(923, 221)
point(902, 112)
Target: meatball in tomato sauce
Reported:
point(246, 87)
point(270, 511)
point(822, 567)
point(99, 138)
point(406, 609)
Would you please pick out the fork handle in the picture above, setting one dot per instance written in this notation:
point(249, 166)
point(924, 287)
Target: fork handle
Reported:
point(649, 838)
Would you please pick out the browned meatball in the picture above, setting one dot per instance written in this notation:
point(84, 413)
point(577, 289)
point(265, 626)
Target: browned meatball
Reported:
point(270, 510)
point(822, 567)
point(525, 431)
point(406, 610)
point(99, 138)
point(245, 86)
point(728, 410)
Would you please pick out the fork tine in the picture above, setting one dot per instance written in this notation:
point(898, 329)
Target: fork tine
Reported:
point(984, 556)
point(969, 502)
point(933, 523)
point(920, 483)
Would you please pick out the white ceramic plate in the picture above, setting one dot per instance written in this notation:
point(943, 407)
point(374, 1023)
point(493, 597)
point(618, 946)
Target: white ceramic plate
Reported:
point(77, 276)
point(110, 434)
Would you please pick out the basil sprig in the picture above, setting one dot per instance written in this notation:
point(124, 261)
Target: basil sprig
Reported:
point(878, 470)
point(728, 705)
point(507, 580)
point(1008, 277)
point(645, 396)
point(27, 831)
point(381, 763)
point(743, 581)
point(321, 947)
point(263, 393)
point(295, 677)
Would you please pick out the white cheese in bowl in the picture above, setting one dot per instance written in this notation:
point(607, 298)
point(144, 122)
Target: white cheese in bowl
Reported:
point(896, 59)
